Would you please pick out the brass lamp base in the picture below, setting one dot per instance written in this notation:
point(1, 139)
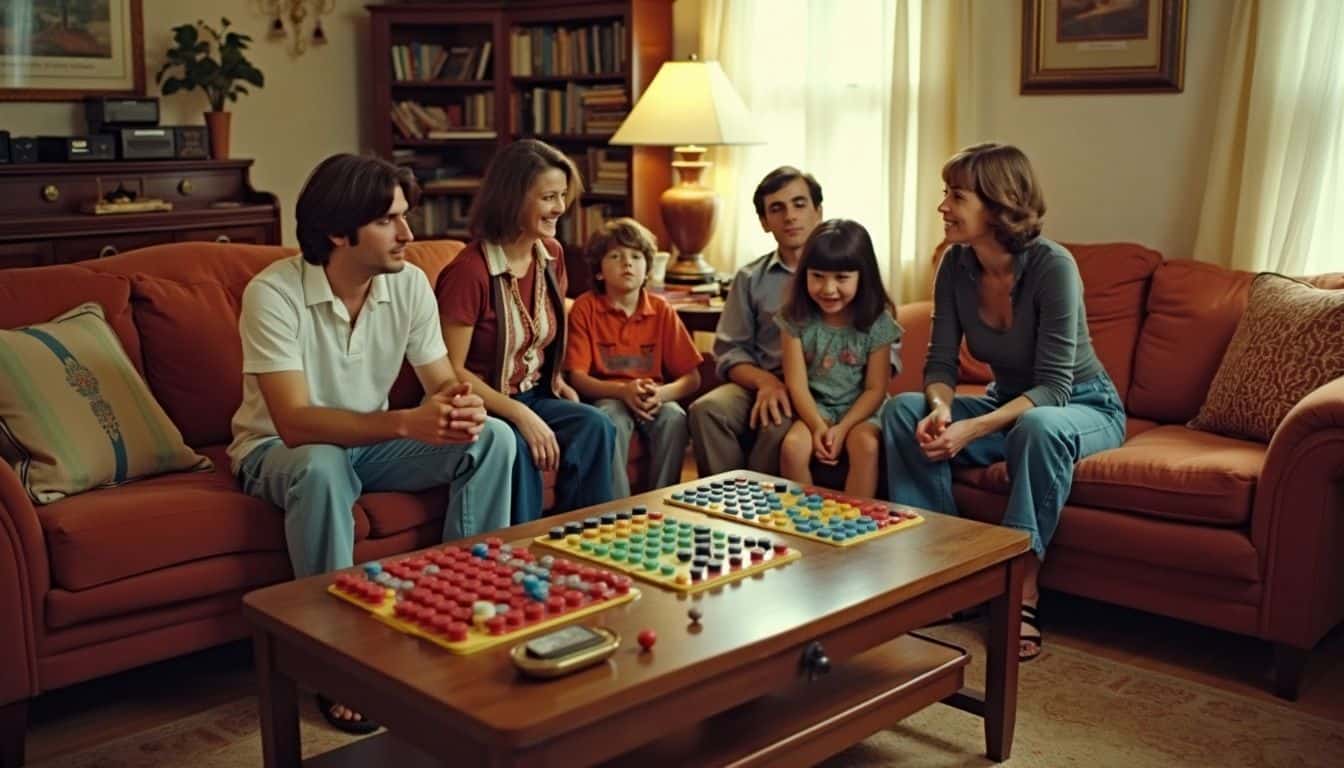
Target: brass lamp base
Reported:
point(689, 213)
point(690, 269)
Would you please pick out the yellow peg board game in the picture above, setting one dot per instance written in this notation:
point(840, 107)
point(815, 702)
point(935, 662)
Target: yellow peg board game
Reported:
point(812, 513)
point(468, 600)
point(669, 549)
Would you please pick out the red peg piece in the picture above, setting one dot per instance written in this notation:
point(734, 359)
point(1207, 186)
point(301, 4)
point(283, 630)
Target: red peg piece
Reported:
point(647, 638)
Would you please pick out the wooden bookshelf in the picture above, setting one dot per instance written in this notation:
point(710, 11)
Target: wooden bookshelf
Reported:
point(428, 69)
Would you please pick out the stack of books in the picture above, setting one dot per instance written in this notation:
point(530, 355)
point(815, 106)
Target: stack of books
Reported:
point(469, 120)
point(604, 171)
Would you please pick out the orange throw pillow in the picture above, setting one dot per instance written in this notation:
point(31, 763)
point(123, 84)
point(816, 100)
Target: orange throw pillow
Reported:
point(1289, 342)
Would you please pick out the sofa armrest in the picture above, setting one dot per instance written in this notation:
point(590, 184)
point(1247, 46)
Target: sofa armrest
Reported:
point(1297, 524)
point(24, 579)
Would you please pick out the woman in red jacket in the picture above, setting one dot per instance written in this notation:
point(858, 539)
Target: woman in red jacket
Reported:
point(502, 305)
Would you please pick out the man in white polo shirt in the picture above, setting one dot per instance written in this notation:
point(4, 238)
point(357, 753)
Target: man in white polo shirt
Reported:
point(324, 335)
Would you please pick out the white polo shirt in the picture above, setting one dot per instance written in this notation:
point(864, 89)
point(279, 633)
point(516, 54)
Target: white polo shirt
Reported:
point(291, 321)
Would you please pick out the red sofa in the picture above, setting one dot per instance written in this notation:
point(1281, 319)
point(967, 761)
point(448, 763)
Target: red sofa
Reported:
point(1223, 532)
point(119, 577)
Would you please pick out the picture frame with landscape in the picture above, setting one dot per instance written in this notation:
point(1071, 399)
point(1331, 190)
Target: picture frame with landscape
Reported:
point(1103, 46)
point(59, 50)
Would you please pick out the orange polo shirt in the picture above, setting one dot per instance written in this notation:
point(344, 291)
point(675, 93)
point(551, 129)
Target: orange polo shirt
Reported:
point(652, 343)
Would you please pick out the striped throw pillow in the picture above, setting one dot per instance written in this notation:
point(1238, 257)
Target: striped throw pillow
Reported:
point(75, 414)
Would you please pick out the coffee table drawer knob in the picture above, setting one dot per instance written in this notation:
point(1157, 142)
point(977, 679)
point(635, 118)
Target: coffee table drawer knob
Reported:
point(815, 661)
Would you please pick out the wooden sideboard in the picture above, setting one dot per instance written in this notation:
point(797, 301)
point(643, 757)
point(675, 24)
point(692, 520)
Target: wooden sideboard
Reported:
point(41, 221)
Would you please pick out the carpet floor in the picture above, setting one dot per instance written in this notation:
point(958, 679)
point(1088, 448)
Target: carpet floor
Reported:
point(1074, 709)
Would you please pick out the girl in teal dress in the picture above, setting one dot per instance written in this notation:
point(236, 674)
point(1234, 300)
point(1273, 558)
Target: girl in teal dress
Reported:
point(838, 330)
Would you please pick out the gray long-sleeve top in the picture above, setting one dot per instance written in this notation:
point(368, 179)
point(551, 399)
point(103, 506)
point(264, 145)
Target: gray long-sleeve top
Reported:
point(1048, 347)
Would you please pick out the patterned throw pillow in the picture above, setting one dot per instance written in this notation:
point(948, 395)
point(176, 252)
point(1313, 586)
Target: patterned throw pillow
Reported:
point(75, 414)
point(1289, 342)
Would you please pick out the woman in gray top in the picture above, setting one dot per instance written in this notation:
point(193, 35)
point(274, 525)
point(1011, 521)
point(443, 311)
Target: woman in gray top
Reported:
point(1017, 299)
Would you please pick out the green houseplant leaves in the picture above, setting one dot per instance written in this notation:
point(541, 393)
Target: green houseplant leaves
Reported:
point(221, 78)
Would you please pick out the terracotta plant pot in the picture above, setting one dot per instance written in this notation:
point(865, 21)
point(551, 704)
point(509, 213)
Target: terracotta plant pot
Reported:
point(218, 123)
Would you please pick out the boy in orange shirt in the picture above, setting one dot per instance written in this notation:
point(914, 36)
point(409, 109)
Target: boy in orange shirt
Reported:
point(630, 355)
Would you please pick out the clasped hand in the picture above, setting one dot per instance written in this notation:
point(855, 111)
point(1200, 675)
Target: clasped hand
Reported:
point(641, 397)
point(827, 440)
point(940, 438)
point(451, 415)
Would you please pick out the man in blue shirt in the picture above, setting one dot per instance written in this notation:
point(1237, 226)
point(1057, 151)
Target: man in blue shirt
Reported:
point(753, 407)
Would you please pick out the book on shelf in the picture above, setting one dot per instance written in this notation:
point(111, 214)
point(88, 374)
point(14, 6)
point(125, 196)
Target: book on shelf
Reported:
point(464, 184)
point(437, 217)
point(605, 170)
point(577, 109)
point(559, 51)
point(582, 221)
point(470, 118)
point(460, 134)
point(484, 62)
point(417, 62)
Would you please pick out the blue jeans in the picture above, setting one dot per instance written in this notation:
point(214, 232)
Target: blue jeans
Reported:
point(1040, 449)
point(586, 438)
point(667, 436)
point(317, 486)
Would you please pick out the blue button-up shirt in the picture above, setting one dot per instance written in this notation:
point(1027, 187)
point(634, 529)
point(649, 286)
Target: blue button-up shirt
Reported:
point(747, 332)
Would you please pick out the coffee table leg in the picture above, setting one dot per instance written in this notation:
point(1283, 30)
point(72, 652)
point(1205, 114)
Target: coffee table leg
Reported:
point(279, 708)
point(1001, 664)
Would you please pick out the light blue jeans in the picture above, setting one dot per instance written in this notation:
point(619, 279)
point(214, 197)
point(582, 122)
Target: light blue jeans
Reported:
point(667, 436)
point(1040, 449)
point(317, 486)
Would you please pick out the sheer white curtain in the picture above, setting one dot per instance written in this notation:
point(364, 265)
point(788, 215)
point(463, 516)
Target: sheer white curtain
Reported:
point(857, 92)
point(1274, 198)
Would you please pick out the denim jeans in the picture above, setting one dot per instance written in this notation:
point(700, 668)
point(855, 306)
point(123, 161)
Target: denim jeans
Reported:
point(1040, 450)
point(586, 439)
point(667, 436)
point(317, 486)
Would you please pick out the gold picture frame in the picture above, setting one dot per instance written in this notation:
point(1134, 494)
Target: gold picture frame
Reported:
point(1103, 46)
point(60, 50)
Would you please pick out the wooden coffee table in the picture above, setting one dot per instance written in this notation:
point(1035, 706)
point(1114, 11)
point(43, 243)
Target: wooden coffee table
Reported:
point(744, 687)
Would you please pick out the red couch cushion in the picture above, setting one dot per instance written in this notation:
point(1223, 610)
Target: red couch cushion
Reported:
point(392, 513)
point(186, 298)
point(193, 355)
point(1168, 472)
point(36, 295)
point(171, 585)
point(1115, 285)
point(1193, 310)
point(112, 533)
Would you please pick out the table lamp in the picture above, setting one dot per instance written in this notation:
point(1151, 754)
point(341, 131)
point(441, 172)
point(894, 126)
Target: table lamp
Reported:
point(688, 106)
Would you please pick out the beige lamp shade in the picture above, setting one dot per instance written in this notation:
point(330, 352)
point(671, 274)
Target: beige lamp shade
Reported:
point(689, 104)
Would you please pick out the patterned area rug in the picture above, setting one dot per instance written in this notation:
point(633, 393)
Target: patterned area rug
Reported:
point(1074, 709)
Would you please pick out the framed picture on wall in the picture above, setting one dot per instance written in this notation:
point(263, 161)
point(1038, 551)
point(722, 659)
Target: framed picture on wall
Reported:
point(1095, 46)
point(57, 50)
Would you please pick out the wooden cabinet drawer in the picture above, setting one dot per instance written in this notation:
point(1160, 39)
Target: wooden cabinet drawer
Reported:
point(34, 254)
point(102, 246)
point(254, 234)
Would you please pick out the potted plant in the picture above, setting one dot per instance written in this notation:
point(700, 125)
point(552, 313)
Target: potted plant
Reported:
point(219, 78)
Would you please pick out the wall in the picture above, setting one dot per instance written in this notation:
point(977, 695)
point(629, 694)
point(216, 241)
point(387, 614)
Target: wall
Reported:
point(312, 105)
point(1114, 167)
